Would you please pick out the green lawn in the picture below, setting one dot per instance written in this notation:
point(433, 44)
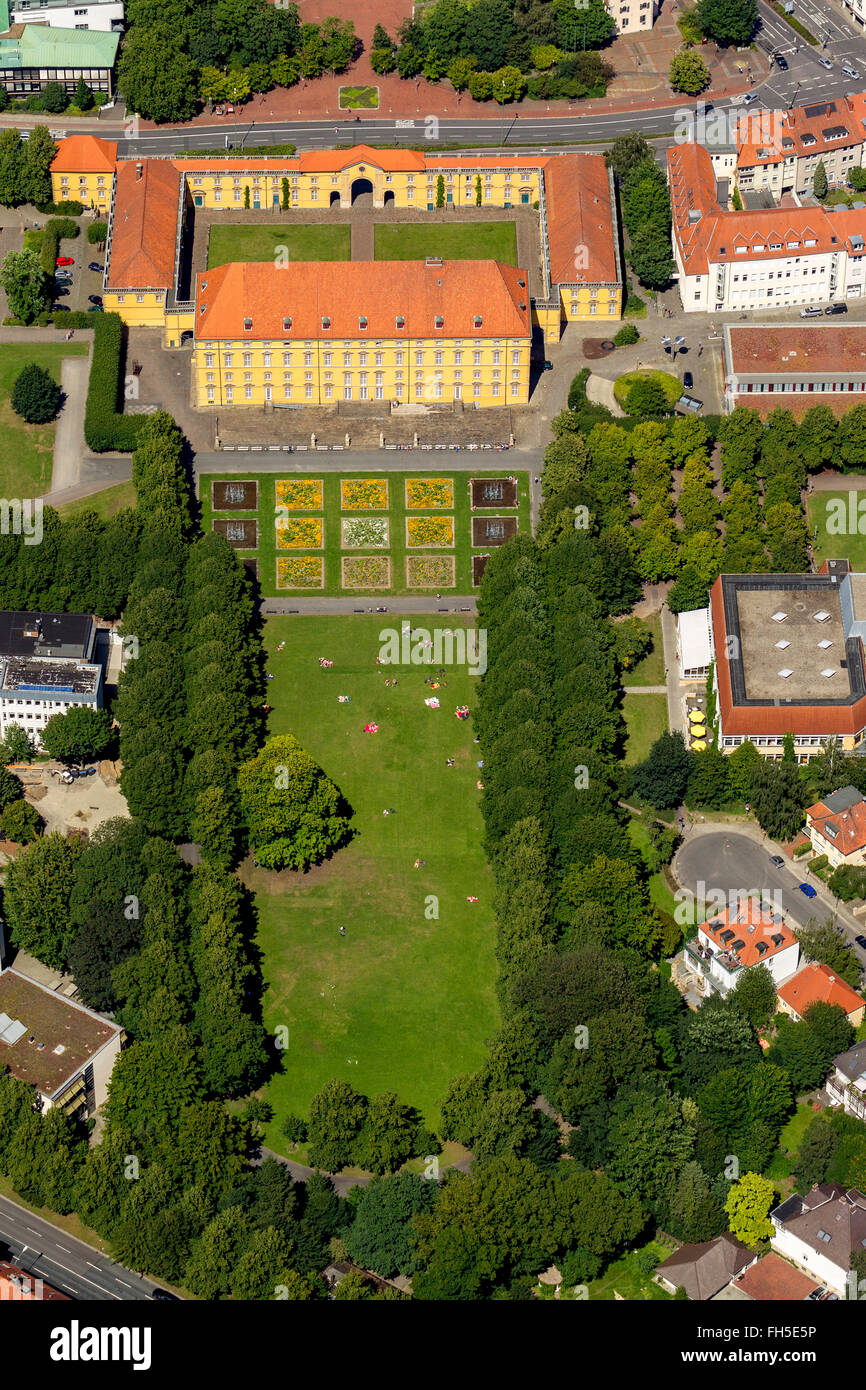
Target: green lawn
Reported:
point(651, 670)
point(402, 1002)
point(792, 1135)
point(359, 98)
point(469, 241)
point(105, 503)
point(671, 385)
point(27, 451)
point(331, 513)
point(228, 242)
point(625, 1278)
point(646, 718)
point(837, 539)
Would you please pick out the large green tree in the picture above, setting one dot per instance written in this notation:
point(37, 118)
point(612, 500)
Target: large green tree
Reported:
point(295, 815)
point(38, 889)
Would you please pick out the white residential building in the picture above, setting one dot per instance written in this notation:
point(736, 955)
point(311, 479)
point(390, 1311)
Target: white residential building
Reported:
point(106, 15)
point(847, 1085)
point(46, 666)
point(630, 15)
point(743, 935)
point(820, 1230)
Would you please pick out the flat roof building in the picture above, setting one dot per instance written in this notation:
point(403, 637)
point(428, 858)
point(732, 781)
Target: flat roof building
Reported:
point(794, 366)
point(32, 55)
point(46, 666)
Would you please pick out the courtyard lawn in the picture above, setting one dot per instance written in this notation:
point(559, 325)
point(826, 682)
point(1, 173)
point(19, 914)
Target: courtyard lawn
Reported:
point(105, 503)
point(671, 385)
point(332, 553)
point(27, 451)
point(467, 241)
point(651, 670)
point(843, 541)
point(646, 718)
point(404, 1001)
point(319, 242)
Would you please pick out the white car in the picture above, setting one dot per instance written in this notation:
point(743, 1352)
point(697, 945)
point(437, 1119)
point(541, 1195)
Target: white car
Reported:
point(825, 63)
point(812, 311)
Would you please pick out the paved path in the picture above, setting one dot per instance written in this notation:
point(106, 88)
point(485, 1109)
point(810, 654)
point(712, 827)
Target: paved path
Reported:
point(449, 603)
point(645, 689)
point(676, 713)
point(69, 435)
point(362, 240)
point(600, 391)
point(384, 460)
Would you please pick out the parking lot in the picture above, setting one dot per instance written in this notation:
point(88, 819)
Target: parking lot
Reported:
point(74, 293)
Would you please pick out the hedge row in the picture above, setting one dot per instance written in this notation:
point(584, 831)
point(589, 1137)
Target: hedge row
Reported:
point(56, 229)
point(104, 425)
point(66, 209)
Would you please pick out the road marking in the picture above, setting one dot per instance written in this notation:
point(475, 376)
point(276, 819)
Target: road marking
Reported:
point(32, 1231)
point(75, 1274)
point(65, 1251)
point(123, 1282)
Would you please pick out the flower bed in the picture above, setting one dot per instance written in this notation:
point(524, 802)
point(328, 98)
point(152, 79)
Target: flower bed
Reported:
point(299, 533)
point(365, 532)
point(424, 493)
point(300, 494)
point(364, 495)
point(301, 572)
point(430, 571)
point(366, 572)
point(429, 530)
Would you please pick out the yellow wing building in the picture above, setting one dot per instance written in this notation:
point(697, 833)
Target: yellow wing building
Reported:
point(431, 331)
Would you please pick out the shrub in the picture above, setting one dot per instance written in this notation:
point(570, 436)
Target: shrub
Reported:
point(35, 395)
point(70, 208)
point(627, 335)
point(800, 850)
point(96, 233)
point(819, 862)
point(104, 426)
point(53, 98)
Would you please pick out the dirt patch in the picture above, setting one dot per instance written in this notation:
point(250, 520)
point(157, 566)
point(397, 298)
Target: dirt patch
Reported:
point(479, 565)
point(493, 530)
point(241, 533)
point(37, 793)
point(235, 496)
point(595, 348)
point(494, 492)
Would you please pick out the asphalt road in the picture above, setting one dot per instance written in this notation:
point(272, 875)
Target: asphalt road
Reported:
point(740, 866)
point(64, 1262)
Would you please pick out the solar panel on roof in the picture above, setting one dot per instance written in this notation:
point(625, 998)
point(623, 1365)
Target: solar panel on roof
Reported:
point(825, 109)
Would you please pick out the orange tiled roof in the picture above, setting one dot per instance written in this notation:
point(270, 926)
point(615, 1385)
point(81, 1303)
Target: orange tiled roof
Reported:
point(804, 130)
point(797, 348)
point(305, 291)
point(772, 1279)
point(753, 927)
point(85, 154)
point(144, 226)
point(816, 983)
point(389, 161)
point(331, 161)
point(16, 1284)
point(848, 827)
point(580, 221)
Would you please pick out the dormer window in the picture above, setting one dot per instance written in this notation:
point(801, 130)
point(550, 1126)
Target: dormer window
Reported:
point(326, 322)
point(362, 321)
point(287, 323)
point(438, 321)
point(477, 321)
point(400, 321)
point(248, 323)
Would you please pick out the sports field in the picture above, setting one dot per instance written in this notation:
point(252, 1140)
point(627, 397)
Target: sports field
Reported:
point(405, 1000)
point(469, 241)
point(358, 533)
point(318, 242)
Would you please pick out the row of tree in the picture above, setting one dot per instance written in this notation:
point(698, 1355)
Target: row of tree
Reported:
point(646, 210)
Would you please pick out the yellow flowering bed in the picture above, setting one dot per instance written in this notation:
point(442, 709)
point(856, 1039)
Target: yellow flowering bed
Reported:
point(299, 533)
point(364, 495)
point(430, 530)
point(301, 572)
point(300, 494)
point(423, 493)
point(366, 572)
point(430, 572)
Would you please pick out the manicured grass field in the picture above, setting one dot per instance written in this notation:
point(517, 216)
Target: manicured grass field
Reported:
point(844, 541)
point(646, 718)
point(359, 98)
point(651, 670)
point(318, 242)
point(105, 503)
point(404, 1001)
point(27, 451)
point(333, 552)
point(469, 241)
point(625, 1278)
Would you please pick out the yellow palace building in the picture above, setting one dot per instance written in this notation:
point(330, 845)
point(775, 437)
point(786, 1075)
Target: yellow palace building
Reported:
point(151, 214)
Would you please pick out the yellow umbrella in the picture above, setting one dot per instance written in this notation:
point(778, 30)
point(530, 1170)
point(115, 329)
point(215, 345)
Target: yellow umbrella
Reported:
point(698, 730)
point(697, 716)
point(698, 746)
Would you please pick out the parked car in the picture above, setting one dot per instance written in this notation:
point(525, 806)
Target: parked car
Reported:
point(690, 403)
point(836, 309)
point(825, 63)
point(812, 311)
point(94, 265)
point(807, 890)
point(688, 380)
point(95, 309)
point(95, 299)
point(861, 942)
point(65, 260)
point(61, 292)
point(777, 860)
point(63, 277)
point(781, 62)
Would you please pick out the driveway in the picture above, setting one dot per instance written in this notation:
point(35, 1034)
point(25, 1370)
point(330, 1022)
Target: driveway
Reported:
point(69, 436)
point(736, 861)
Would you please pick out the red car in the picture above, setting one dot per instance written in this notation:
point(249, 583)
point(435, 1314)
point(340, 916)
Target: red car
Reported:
point(65, 260)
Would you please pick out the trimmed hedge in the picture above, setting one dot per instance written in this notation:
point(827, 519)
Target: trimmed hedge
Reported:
point(104, 426)
point(56, 229)
point(65, 209)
